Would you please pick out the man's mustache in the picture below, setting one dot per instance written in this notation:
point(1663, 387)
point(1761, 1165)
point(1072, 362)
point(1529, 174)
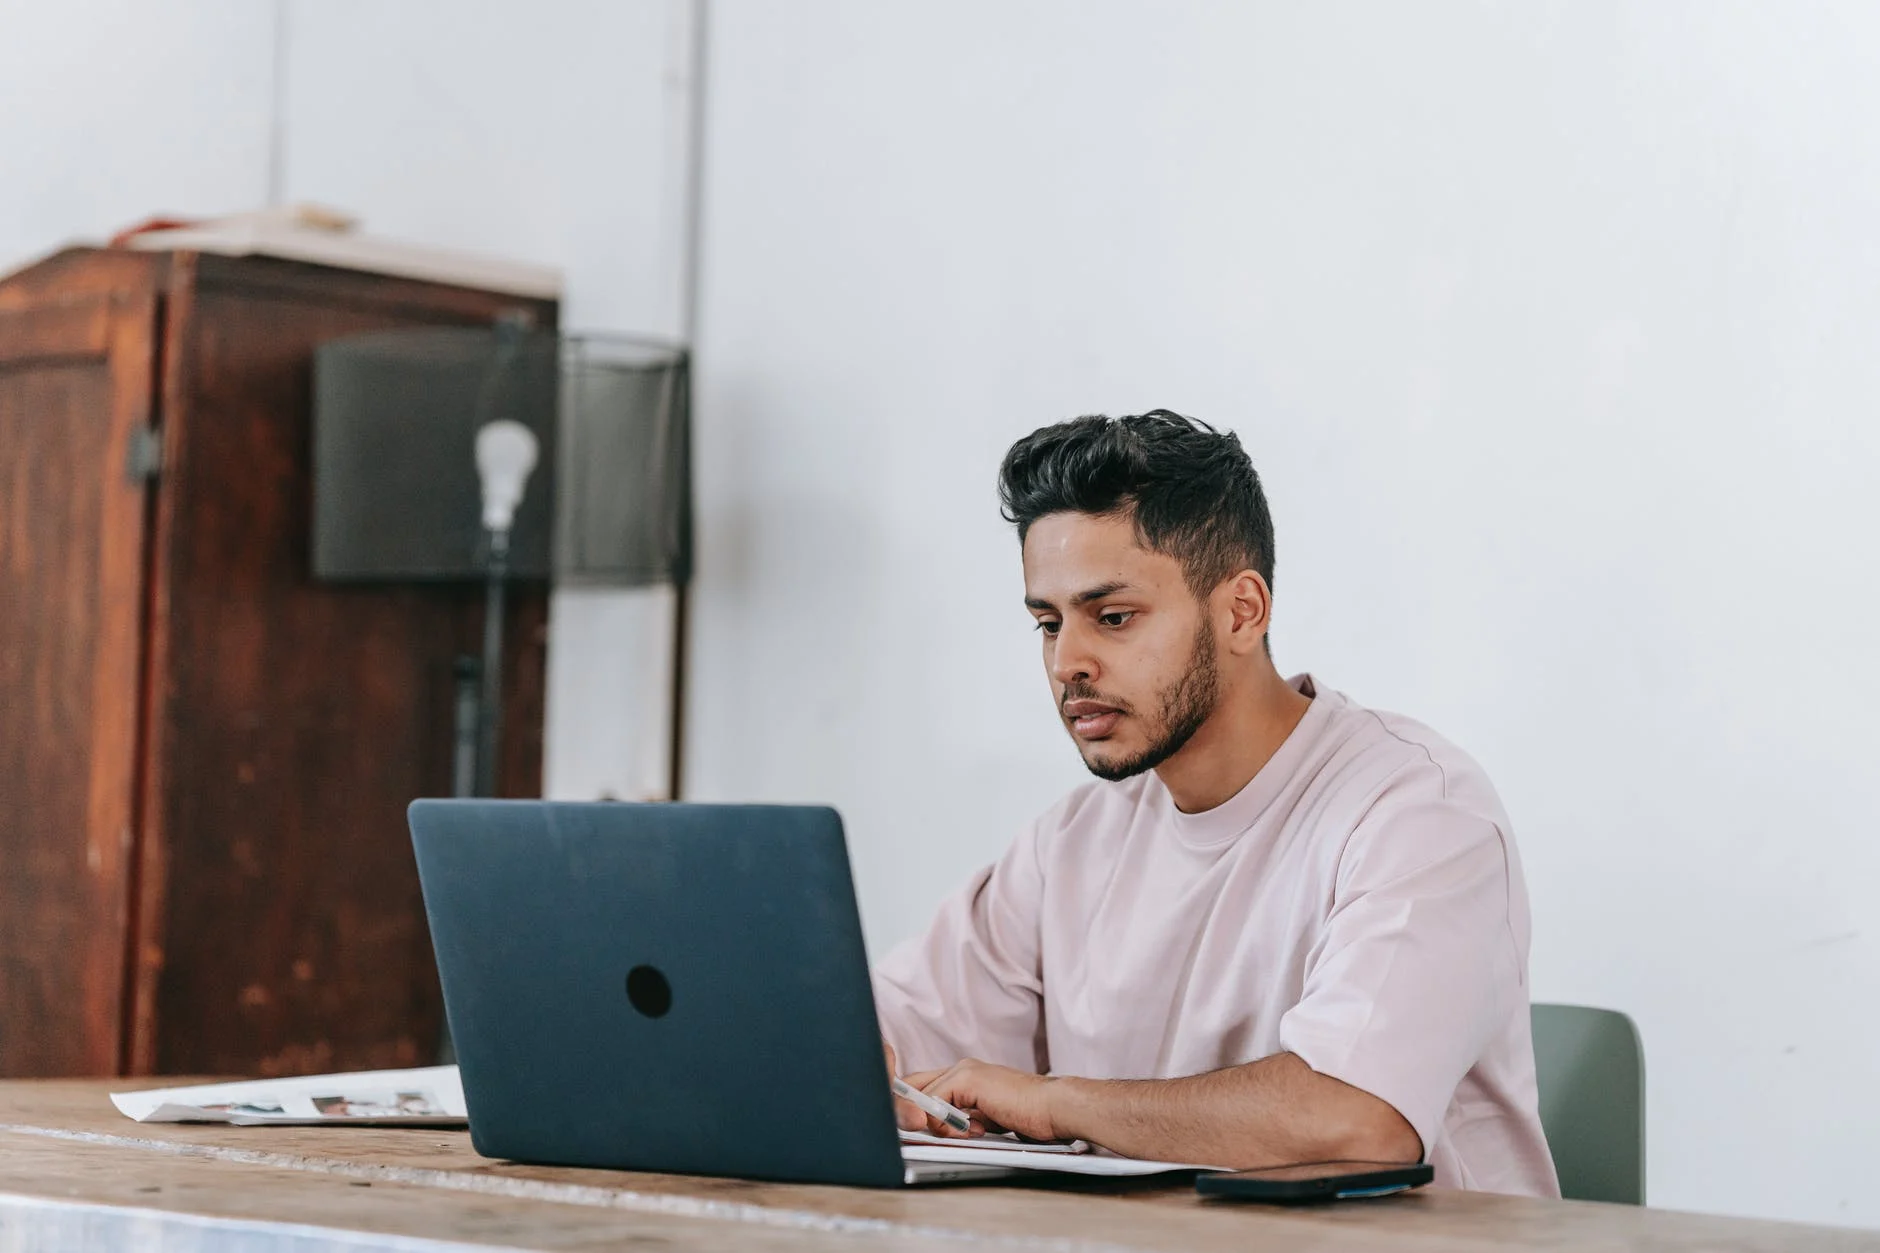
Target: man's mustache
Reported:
point(1083, 691)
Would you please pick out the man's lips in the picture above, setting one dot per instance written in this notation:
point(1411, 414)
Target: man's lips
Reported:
point(1091, 719)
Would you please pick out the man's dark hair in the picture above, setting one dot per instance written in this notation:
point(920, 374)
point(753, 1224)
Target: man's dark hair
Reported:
point(1191, 489)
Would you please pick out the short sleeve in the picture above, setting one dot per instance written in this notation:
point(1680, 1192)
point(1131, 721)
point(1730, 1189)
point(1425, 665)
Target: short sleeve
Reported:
point(1417, 969)
point(972, 985)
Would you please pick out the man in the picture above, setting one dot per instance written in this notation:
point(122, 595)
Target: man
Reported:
point(1281, 928)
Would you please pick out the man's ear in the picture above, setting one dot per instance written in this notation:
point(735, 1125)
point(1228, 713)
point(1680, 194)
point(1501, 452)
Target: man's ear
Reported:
point(1249, 608)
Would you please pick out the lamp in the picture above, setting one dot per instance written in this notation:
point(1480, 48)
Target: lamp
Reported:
point(493, 454)
point(505, 455)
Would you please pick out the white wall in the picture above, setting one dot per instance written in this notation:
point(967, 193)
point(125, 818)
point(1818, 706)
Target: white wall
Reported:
point(1551, 328)
point(112, 110)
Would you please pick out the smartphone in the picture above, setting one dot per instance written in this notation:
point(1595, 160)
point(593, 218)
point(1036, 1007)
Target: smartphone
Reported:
point(1316, 1181)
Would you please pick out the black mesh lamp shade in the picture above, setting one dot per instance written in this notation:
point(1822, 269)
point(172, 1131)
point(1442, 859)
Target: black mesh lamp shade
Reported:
point(624, 508)
point(396, 493)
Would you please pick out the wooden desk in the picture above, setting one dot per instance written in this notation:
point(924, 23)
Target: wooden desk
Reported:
point(74, 1174)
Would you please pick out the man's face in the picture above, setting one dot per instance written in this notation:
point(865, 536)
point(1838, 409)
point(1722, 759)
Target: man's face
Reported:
point(1129, 650)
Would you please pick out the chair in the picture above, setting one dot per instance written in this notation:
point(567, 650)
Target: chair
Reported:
point(1590, 1068)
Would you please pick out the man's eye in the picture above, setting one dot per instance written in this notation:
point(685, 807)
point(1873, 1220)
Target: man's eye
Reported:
point(1116, 619)
point(1048, 627)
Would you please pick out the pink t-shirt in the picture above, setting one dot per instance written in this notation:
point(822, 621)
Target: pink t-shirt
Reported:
point(1359, 903)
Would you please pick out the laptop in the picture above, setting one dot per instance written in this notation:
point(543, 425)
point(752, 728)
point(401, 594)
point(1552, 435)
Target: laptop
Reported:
point(663, 987)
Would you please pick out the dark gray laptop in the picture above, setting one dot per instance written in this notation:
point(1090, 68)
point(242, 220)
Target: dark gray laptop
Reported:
point(677, 988)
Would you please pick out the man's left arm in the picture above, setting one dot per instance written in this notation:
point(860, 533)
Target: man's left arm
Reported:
point(1272, 1112)
point(1416, 970)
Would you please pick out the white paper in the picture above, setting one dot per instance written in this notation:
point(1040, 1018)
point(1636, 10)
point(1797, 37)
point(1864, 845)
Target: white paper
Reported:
point(991, 1142)
point(270, 235)
point(426, 1096)
point(1030, 1158)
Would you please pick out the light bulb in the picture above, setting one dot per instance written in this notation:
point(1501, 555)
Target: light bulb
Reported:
point(505, 454)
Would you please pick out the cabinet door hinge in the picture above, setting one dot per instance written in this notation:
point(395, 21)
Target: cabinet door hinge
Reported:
point(143, 458)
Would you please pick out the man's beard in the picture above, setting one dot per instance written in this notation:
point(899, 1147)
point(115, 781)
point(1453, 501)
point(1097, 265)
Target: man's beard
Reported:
point(1186, 704)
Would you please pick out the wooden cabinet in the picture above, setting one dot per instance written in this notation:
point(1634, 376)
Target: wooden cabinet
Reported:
point(205, 756)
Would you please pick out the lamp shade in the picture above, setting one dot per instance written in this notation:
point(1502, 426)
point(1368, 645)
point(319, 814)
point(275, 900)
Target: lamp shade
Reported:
point(397, 421)
point(624, 510)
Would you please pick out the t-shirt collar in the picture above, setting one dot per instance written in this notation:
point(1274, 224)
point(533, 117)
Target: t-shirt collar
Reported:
point(1227, 820)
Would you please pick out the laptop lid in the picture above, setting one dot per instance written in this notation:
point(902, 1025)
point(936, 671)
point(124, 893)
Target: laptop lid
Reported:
point(663, 987)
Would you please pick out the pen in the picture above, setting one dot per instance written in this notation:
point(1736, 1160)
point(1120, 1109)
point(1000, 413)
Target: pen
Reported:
point(933, 1106)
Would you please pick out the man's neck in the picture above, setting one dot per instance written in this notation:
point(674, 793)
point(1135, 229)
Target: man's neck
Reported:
point(1232, 746)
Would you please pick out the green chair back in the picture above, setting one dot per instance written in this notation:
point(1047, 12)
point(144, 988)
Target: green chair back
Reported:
point(1591, 1071)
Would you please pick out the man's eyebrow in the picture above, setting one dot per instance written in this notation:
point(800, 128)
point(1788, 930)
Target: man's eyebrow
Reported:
point(1102, 591)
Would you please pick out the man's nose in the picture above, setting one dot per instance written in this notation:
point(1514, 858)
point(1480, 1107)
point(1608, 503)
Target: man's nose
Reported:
point(1073, 661)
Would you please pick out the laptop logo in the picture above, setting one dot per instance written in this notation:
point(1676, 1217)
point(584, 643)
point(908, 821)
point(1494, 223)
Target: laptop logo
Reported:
point(648, 991)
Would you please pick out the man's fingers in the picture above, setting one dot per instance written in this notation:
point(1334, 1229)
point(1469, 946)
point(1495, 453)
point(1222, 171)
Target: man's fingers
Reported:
point(963, 1086)
point(935, 1083)
point(946, 1085)
point(907, 1116)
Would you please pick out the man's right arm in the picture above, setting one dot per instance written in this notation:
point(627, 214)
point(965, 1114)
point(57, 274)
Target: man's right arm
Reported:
point(971, 986)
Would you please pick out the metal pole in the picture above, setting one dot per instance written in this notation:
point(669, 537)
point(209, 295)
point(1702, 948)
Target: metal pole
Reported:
point(490, 720)
point(465, 743)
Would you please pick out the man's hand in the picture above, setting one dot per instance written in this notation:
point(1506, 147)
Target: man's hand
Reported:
point(1263, 1113)
point(997, 1098)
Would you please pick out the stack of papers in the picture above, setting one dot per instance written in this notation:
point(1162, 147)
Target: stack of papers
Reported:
point(430, 1096)
point(1075, 1158)
point(991, 1142)
point(326, 237)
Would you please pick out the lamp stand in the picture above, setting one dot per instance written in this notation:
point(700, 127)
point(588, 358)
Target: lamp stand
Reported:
point(490, 705)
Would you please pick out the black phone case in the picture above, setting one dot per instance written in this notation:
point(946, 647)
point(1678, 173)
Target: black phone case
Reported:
point(1248, 1186)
